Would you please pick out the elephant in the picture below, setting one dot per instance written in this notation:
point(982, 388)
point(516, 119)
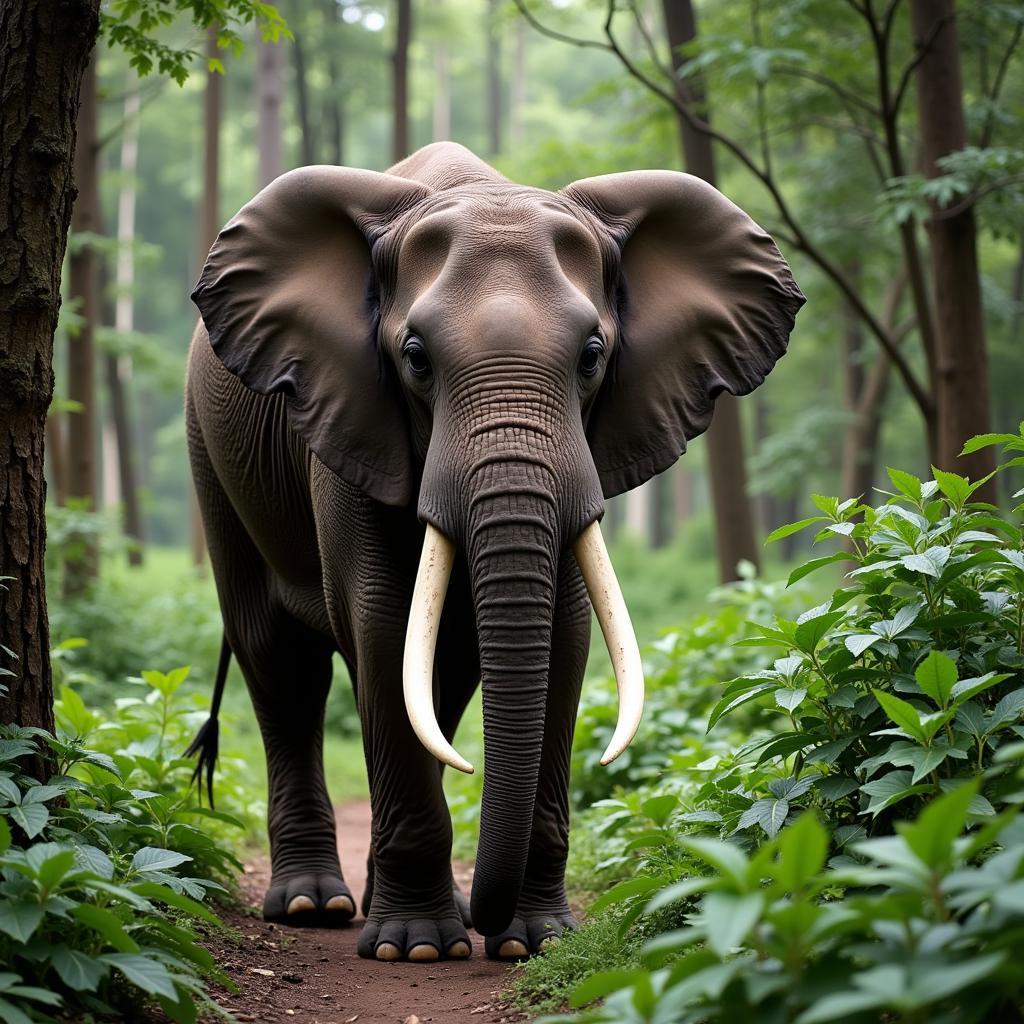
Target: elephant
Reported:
point(408, 396)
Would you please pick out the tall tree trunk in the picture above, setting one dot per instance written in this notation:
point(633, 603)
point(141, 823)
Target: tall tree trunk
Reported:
point(441, 127)
point(307, 137)
point(517, 100)
point(334, 107)
point(727, 467)
point(119, 368)
point(638, 512)
point(494, 104)
point(82, 562)
point(268, 113)
point(662, 528)
point(400, 82)
point(44, 50)
point(209, 225)
point(962, 384)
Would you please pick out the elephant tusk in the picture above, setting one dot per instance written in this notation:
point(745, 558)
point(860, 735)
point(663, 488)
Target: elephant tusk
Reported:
point(428, 595)
point(612, 614)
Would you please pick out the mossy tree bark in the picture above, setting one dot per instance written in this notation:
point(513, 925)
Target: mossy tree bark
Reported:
point(44, 50)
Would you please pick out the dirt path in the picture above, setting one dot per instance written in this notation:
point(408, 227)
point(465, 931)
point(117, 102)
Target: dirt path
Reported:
point(316, 977)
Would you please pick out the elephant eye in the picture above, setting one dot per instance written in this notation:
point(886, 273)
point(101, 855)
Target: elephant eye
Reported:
point(590, 361)
point(416, 356)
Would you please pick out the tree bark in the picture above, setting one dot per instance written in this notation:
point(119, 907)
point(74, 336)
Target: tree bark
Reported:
point(44, 50)
point(119, 368)
point(307, 137)
point(400, 82)
point(961, 385)
point(334, 112)
point(494, 84)
point(733, 515)
point(81, 564)
point(268, 113)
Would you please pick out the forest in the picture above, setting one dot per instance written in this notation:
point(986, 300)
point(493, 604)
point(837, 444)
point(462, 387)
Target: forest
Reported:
point(819, 817)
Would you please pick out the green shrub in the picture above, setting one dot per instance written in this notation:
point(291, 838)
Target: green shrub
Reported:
point(98, 864)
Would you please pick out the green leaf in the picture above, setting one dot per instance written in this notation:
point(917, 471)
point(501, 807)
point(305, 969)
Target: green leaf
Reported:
point(659, 808)
point(727, 859)
point(769, 812)
point(790, 528)
point(728, 918)
point(31, 818)
point(107, 924)
point(602, 984)
point(956, 488)
point(930, 562)
point(889, 790)
point(931, 837)
point(790, 700)
point(814, 564)
point(860, 642)
point(727, 704)
point(152, 858)
point(906, 483)
point(5, 836)
point(902, 712)
point(980, 441)
point(937, 676)
point(810, 632)
point(803, 847)
point(147, 974)
point(78, 971)
point(678, 891)
point(19, 918)
point(627, 890)
point(968, 688)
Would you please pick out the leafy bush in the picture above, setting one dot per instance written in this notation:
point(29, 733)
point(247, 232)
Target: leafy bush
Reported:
point(900, 697)
point(96, 864)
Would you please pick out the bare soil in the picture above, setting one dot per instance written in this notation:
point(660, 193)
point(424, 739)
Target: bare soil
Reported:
point(314, 976)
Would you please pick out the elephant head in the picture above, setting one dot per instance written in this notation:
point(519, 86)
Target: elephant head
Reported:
point(507, 358)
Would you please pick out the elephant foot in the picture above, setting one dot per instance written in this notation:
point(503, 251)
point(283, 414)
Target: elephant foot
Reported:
point(528, 935)
point(310, 900)
point(417, 939)
point(460, 898)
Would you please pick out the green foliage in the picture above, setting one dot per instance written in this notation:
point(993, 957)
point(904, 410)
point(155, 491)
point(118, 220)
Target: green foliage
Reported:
point(853, 847)
point(135, 26)
point(104, 869)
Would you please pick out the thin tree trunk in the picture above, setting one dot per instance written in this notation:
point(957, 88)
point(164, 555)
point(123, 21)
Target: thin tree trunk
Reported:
point(44, 50)
point(82, 561)
point(119, 368)
point(400, 82)
point(682, 493)
point(209, 225)
point(494, 103)
point(268, 113)
point(518, 98)
point(638, 512)
point(962, 384)
point(441, 127)
point(733, 515)
point(57, 466)
point(334, 112)
point(307, 137)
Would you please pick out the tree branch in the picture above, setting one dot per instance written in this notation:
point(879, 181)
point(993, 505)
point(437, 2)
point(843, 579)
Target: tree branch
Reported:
point(997, 86)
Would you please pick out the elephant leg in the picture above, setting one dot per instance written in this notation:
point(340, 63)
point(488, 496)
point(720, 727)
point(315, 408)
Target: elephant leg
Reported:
point(543, 911)
point(287, 668)
point(412, 913)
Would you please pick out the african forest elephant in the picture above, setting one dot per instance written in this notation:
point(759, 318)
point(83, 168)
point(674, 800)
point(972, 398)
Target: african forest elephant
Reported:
point(415, 389)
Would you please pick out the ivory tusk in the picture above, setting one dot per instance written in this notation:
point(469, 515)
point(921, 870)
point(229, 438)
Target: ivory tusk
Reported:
point(436, 563)
point(612, 614)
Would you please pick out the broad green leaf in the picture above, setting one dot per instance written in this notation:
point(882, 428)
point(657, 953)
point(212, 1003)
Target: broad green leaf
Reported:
point(790, 528)
point(789, 700)
point(813, 564)
point(937, 676)
point(724, 706)
point(627, 890)
point(956, 488)
point(860, 642)
point(5, 836)
point(930, 562)
point(659, 808)
point(769, 812)
point(906, 483)
point(147, 974)
point(152, 858)
point(889, 790)
point(835, 787)
point(728, 859)
point(107, 924)
point(78, 971)
point(902, 712)
point(678, 891)
point(968, 688)
point(728, 918)
point(803, 847)
point(31, 818)
point(980, 441)
point(20, 917)
point(601, 984)
point(10, 1014)
point(810, 632)
point(931, 837)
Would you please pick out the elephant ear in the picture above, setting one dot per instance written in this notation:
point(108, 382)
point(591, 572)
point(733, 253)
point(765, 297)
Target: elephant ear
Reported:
point(706, 305)
point(286, 300)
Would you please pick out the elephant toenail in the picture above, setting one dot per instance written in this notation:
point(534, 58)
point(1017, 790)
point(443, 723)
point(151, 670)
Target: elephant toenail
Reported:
point(512, 949)
point(341, 904)
point(388, 951)
point(300, 904)
point(459, 950)
point(422, 954)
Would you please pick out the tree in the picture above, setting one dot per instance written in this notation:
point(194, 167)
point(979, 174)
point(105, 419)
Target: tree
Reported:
point(961, 378)
point(268, 115)
point(400, 81)
point(727, 464)
point(495, 105)
point(44, 51)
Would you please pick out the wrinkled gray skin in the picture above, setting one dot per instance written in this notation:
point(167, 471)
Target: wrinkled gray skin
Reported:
point(572, 342)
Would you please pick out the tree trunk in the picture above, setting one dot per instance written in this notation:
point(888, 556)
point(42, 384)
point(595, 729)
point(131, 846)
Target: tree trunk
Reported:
point(334, 107)
point(494, 104)
point(268, 113)
point(962, 384)
point(82, 562)
point(517, 101)
point(307, 138)
point(727, 467)
point(119, 368)
point(441, 127)
point(400, 82)
point(209, 225)
point(638, 512)
point(44, 50)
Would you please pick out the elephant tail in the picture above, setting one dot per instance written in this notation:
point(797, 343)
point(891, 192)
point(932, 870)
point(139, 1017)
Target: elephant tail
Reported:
point(208, 738)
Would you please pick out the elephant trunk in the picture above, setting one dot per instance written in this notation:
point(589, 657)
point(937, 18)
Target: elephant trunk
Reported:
point(513, 545)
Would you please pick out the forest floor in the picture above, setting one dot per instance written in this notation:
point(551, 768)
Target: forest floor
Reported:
point(314, 976)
